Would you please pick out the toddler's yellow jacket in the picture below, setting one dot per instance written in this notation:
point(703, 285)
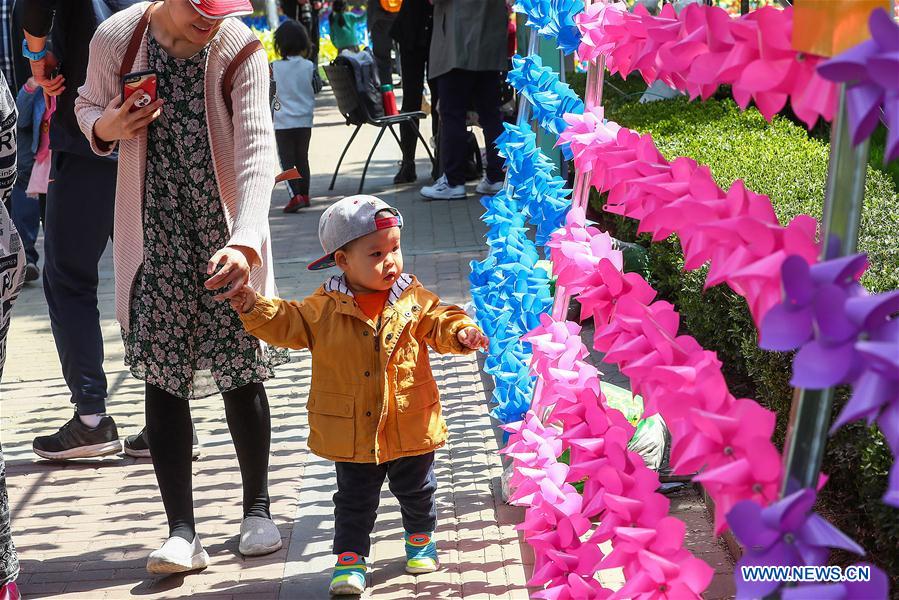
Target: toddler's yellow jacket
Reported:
point(373, 396)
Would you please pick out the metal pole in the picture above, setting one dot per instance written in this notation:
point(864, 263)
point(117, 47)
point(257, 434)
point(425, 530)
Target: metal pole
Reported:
point(844, 195)
point(581, 192)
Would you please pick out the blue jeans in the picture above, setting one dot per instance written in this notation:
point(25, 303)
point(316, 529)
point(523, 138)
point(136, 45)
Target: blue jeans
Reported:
point(27, 214)
point(80, 204)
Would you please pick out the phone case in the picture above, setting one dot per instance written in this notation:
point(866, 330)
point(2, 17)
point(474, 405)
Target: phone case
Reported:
point(143, 83)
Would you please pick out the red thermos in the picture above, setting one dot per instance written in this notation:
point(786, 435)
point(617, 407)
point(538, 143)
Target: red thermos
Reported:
point(388, 99)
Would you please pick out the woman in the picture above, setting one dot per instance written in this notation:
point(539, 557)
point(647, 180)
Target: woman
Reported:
point(12, 277)
point(193, 193)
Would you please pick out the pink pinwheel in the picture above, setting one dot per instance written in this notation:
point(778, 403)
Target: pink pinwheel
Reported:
point(815, 301)
point(655, 563)
point(711, 439)
point(785, 533)
point(756, 476)
point(870, 68)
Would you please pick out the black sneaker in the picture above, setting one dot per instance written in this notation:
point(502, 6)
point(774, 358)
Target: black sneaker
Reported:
point(77, 440)
point(138, 446)
point(31, 272)
point(406, 173)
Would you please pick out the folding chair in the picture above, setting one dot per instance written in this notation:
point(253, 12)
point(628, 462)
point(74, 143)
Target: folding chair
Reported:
point(343, 84)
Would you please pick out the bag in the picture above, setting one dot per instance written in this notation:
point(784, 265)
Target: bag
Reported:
point(392, 6)
point(366, 77)
point(227, 79)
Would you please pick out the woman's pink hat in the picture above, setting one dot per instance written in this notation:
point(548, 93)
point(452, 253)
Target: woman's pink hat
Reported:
point(219, 9)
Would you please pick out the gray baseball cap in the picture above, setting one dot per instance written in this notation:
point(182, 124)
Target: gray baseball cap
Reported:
point(350, 219)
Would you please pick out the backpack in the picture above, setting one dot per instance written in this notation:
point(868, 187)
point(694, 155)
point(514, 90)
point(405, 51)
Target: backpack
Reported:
point(227, 80)
point(367, 84)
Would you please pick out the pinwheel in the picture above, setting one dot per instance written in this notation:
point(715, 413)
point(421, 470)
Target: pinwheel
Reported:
point(786, 533)
point(550, 99)
point(815, 301)
point(655, 563)
point(876, 587)
point(870, 70)
point(702, 48)
point(554, 19)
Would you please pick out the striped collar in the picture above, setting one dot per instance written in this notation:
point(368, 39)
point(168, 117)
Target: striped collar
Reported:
point(338, 284)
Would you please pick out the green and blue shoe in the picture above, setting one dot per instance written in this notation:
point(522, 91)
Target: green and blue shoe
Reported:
point(421, 553)
point(349, 575)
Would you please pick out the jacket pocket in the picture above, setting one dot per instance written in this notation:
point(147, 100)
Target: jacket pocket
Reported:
point(419, 417)
point(332, 428)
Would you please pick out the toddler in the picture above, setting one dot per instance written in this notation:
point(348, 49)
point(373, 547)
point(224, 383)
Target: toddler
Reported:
point(296, 85)
point(373, 408)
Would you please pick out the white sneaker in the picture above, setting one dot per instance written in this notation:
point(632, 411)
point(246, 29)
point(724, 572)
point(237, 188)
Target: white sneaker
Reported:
point(442, 190)
point(177, 555)
point(489, 188)
point(259, 536)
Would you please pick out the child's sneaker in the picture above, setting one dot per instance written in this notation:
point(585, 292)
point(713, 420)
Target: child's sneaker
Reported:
point(421, 553)
point(349, 575)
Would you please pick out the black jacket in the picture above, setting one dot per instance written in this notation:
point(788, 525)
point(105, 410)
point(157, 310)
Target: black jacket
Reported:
point(412, 27)
point(71, 25)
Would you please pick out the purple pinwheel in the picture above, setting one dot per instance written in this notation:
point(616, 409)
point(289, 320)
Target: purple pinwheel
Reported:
point(876, 587)
point(815, 302)
point(871, 70)
point(786, 533)
point(875, 394)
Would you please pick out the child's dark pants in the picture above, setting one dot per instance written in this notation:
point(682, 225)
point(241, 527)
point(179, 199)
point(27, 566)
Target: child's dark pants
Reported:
point(411, 480)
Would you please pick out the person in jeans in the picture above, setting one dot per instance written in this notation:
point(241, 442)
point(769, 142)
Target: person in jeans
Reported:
point(196, 170)
point(28, 209)
point(295, 82)
point(374, 408)
point(12, 277)
point(468, 52)
point(79, 215)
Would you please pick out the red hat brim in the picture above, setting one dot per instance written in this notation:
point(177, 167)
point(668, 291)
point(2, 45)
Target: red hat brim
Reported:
point(220, 9)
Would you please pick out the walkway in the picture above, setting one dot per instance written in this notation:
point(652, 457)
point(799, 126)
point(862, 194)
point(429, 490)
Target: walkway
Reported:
point(84, 530)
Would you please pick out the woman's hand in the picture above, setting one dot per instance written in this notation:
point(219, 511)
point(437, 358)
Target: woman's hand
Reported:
point(472, 338)
point(119, 123)
point(234, 274)
point(41, 71)
point(244, 300)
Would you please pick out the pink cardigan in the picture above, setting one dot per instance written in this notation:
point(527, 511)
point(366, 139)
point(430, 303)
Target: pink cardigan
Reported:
point(243, 148)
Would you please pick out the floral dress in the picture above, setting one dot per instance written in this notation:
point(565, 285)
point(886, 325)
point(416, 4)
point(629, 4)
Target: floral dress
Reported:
point(180, 339)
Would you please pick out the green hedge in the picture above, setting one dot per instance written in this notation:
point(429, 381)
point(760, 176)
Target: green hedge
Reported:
point(781, 160)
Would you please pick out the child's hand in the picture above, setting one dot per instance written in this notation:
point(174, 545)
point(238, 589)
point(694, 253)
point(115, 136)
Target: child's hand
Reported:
point(471, 337)
point(244, 300)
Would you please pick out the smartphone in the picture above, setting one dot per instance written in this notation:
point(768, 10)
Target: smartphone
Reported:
point(143, 83)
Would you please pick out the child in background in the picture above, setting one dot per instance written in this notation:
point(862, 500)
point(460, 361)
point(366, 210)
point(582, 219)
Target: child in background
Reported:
point(343, 27)
point(374, 407)
point(294, 81)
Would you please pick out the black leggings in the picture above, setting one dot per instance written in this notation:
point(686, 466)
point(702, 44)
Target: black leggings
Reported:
point(293, 150)
point(170, 433)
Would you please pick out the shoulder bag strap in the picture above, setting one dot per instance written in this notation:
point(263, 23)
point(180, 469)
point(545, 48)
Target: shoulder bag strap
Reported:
point(228, 79)
point(134, 44)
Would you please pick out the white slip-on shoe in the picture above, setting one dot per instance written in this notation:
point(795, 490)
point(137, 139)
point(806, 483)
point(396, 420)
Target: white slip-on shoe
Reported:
point(259, 536)
point(177, 555)
point(489, 188)
point(442, 190)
